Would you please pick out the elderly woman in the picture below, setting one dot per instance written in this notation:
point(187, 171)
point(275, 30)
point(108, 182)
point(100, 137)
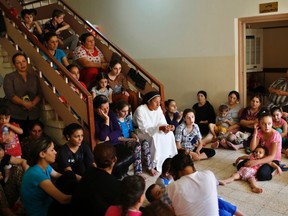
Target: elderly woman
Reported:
point(75, 155)
point(153, 128)
point(90, 58)
point(204, 112)
point(22, 89)
point(119, 84)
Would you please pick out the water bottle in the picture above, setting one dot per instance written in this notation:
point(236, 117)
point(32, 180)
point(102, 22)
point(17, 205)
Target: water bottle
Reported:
point(5, 134)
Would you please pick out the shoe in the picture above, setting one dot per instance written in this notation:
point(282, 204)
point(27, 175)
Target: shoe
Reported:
point(283, 167)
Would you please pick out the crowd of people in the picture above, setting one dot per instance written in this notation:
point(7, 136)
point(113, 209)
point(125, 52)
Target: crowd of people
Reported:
point(78, 180)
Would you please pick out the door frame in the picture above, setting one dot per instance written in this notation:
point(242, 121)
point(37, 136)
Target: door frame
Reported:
point(241, 47)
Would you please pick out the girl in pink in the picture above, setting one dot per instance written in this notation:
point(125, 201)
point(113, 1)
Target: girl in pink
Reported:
point(132, 197)
point(248, 173)
point(280, 125)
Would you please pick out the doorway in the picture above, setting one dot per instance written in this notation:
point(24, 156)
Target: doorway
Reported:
point(269, 21)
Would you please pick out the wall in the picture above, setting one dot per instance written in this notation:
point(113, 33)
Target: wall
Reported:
point(187, 44)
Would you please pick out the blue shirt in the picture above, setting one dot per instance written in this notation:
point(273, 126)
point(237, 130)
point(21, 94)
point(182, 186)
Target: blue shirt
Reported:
point(126, 126)
point(35, 200)
point(59, 55)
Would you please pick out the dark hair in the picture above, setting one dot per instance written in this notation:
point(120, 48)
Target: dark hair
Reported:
point(179, 162)
point(104, 154)
point(120, 105)
point(57, 13)
point(202, 92)
point(276, 108)
point(186, 111)
point(99, 77)
point(166, 165)
point(48, 35)
point(4, 110)
point(18, 54)
point(157, 208)
point(84, 36)
point(2, 146)
point(29, 12)
point(148, 193)
point(34, 123)
point(235, 93)
point(114, 62)
point(266, 152)
point(70, 129)
point(262, 114)
point(132, 188)
point(38, 146)
point(99, 100)
point(167, 102)
point(257, 96)
point(223, 108)
point(70, 66)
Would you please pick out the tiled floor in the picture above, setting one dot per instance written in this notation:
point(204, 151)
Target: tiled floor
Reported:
point(273, 200)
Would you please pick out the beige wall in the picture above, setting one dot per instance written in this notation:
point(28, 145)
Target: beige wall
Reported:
point(187, 44)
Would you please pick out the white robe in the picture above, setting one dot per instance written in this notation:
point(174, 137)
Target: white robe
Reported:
point(162, 145)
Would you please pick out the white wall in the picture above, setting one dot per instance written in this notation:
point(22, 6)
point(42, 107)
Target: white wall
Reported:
point(188, 45)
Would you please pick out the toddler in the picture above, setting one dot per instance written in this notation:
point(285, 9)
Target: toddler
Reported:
point(280, 125)
point(223, 121)
point(165, 177)
point(8, 136)
point(102, 87)
point(248, 173)
point(173, 117)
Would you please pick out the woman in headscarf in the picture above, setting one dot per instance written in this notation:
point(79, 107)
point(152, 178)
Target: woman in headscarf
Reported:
point(153, 128)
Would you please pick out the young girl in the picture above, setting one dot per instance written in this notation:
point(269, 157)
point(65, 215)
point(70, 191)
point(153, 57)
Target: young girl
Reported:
point(74, 70)
point(173, 117)
point(249, 173)
point(269, 138)
point(280, 125)
point(188, 137)
point(165, 177)
point(102, 87)
point(131, 199)
point(125, 123)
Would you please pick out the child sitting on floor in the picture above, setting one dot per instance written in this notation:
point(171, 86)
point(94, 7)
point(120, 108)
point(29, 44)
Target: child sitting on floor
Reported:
point(280, 125)
point(223, 121)
point(248, 173)
point(165, 177)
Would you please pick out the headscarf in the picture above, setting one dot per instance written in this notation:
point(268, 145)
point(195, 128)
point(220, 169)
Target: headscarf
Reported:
point(149, 96)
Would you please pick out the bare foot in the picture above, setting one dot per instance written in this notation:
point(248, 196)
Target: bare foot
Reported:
point(257, 190)
point(215, 145)
point(152, 172)
point(233, 146)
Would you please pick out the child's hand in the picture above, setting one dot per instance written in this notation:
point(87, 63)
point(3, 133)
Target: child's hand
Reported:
point(194, 156)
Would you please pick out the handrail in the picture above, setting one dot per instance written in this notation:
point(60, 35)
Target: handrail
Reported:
point(83, 91)
point(111, 44)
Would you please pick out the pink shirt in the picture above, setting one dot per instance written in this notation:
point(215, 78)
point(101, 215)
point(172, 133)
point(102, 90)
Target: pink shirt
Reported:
point(117, 211)
point(274, 138)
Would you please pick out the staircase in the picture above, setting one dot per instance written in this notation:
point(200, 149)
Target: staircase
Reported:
point(76, 109)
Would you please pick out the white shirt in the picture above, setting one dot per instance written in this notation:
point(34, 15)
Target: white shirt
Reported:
point(195, 194)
